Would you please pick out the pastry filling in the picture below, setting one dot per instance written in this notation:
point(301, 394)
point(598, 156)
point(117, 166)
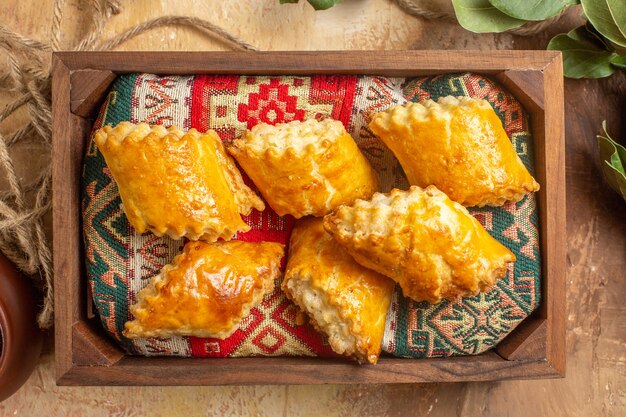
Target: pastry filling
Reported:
point(325, 318)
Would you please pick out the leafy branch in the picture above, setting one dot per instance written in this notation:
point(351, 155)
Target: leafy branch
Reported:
point(594, 50)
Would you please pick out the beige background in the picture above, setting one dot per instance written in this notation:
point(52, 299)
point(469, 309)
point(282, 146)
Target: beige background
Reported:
point(596, 370)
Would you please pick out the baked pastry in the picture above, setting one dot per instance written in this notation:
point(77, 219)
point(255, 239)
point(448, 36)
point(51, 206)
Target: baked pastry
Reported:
point(420, 238)
point(182, 184)
point(304, 168)
point(206, 291)
point(458, 145)
point(344, 300)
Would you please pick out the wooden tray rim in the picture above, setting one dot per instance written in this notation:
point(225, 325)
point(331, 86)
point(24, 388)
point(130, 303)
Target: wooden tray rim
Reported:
point(84, 357)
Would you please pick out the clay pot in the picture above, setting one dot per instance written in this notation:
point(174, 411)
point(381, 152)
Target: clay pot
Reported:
point(21, 337)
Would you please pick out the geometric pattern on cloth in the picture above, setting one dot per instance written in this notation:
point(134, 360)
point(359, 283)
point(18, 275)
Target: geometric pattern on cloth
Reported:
point(119, 262)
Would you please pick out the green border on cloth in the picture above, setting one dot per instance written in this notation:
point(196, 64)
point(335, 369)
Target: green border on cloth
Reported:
point(107, 298)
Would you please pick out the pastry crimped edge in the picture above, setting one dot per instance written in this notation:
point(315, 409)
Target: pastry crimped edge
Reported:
point(134, 330)
point(424, 110)
point(348, 328)
point(508, 195)
point(252, 146)
point(448, 289)
point(315, 136)
point(244, 197)
point(207, 234)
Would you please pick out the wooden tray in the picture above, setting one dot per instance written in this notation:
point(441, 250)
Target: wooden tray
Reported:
point(86, 356)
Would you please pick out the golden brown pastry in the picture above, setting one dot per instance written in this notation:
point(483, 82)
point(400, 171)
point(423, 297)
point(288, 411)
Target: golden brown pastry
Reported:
point(426, 242)
point(178, 183)
point(458, 145)
point(344, 300)
point(304, 168)
point(206, 291)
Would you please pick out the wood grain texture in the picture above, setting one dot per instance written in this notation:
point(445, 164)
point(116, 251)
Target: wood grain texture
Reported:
point(596, 232)
point(63, 153)
point(91, 347)
point(527, 87)
point(199, 371)
point(88, 87)
point(528, 341)
point(552, 214)
point(387, 63)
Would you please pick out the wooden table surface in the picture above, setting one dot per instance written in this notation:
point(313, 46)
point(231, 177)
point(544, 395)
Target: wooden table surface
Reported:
point(596, 224)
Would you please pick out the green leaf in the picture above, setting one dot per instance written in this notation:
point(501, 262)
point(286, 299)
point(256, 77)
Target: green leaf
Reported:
point(532, 9)
point(618, 12)
point(587, 34)
point(601, 14)
point(578, 64)
point(615, 47)
point(480, 16)
point(613, 161)
point(582, 58)
point(621, 151)
point(323, 4)
point(619, 61)
point(317, 4)
point(616, 179)
point(592, 33)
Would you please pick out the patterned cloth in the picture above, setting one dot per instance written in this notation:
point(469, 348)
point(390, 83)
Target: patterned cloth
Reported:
point(120, 263)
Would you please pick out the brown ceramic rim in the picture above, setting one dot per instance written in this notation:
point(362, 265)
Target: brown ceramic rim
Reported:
point(21, 337)
point(1, 341)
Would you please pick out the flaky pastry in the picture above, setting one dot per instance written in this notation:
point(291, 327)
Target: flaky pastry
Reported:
point(304, 168)
point(206, 291)
point(344, 300)
point(458, 145)
point(178, 183)
point(432, 246)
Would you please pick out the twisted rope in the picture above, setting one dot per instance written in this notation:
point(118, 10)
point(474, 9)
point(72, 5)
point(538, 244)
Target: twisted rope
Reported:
point(176, 21)
point(416, 9)
point(23, 206)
